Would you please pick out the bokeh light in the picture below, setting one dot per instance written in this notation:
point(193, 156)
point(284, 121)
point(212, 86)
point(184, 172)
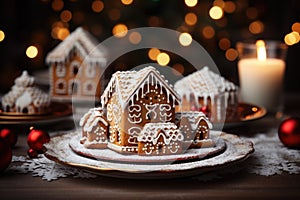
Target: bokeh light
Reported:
point(2, 35)
point(191, 3)
point(224, 43)
point(208, 32)
point(216, 12)
point(252, 13)
point(127, 2)
point(135, 37)
point(66, 16)
point(163, 59)
point(231, 54)
point(120, 30)
point(190, 19)
point(63, 33)
point(292, 38)
point(97, 6)
point(296, 27)
point(57, 5)
point(153, 53)
point(229, 7)
point(256, 27)
point(31, 52)
point(114, 14)
point(185, 39)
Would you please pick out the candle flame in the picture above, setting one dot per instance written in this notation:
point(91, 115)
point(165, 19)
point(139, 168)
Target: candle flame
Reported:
point(261, 50)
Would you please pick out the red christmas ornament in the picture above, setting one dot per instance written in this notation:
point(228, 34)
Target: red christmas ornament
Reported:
point(289, 132)
point(9, 136)
point(5, 154)
point(37, 138)
point(204, 109)
point(32, 153)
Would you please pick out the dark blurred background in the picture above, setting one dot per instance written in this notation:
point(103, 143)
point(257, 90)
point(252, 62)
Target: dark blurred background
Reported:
point(45, 23)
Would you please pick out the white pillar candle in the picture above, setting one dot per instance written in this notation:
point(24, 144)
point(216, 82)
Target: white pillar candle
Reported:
point(261, 78)
point(261, 81)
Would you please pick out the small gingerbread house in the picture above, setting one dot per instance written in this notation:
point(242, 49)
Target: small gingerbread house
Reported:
point(133, 99)
point(94, 129)
point(208, 91)
point(75, 67)
point(195, 126)
point(160, 139)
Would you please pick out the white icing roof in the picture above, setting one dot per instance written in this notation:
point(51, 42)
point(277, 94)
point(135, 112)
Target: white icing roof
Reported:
point(24, 92)
point(152, 132)
point(83, 42)
point(194, 118)
point(92, 118)
point(128, 83)
point(202, 83)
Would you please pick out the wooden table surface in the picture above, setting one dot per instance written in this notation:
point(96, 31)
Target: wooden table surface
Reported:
point(238, 185)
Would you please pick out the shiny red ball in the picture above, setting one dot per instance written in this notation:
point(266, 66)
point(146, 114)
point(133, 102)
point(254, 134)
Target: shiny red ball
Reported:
point(5, 155)
point(32, 153)
point(37, 138)
point(289, 132)
point(9, 136)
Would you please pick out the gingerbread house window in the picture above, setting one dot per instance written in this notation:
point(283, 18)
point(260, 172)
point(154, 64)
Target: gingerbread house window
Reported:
point(74, 87)
point(60, 70)
point(89, 88)
point(90, 71)
point(60, 86)
point(74, 68)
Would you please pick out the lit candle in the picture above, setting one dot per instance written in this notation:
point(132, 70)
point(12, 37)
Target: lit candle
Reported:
point(261, 79)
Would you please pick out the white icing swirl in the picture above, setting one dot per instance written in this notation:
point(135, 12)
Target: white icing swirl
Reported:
point(24, 80)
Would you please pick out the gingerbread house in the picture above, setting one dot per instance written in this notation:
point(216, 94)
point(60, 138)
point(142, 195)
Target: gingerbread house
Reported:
point(133, 99)
point(75, 67)
point(195, 127)
point(94, 129)
point(160, 139)
point(25, 97)
point(207, 91)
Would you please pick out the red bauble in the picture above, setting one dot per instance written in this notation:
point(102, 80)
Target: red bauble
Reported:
point(289, 132)
point(37, 138)
point(204, 109)
point(32, 153)
point(9, 136)
point(5, 154)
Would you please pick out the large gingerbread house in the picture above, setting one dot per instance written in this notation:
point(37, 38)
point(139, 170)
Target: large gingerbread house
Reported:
point(75, 67)
point(133, 99)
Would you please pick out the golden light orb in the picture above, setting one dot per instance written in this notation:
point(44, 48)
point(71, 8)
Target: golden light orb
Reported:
point(163, 59)
point(185, 39)
point(120, 30)
point(191, 3)
point(127, 2)
point(296, 27)
point(231, 54)
point(32, 52)
point(190, 19)
point(97, 6)
point(2, 35)
point(216, 12)
point(153, 53)
point(65, 15)
point(256, 27)
point(135, 37)
point(208, 32)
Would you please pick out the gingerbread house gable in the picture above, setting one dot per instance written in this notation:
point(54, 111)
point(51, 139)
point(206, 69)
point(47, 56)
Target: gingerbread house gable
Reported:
point(75, 67)
point(128, 85)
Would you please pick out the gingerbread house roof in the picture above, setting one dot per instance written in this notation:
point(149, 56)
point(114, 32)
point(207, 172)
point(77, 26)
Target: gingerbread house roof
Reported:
point(80, 41)
point(128, 84)
point(194, 118)
point(203, 83)
point(24, 92)
point(151, 132)
point(92, 119)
